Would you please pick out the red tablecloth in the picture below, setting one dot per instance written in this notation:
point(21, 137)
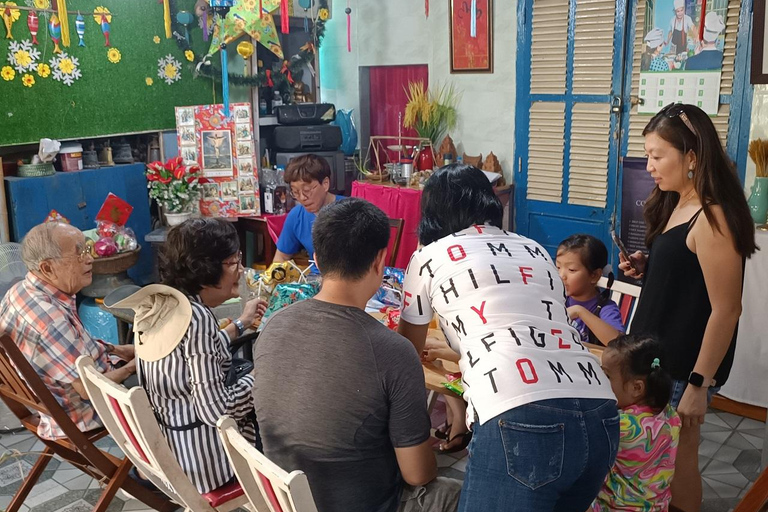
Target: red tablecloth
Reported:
point(397, 203)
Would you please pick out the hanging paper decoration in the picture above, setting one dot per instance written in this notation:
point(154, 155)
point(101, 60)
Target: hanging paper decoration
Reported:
point(224, 80)
point(7, 73)
point(426, 8)
point(349, 27)
point(242, 19)
point(202, 10)
point(167, 18)
point(473, 20)
point(32, 23)
point(43, 70)
point(287, 72)
point(169, 69)
point(185, 19)
point(65, 68)
point(285, 19)
point(10, 16)
point(28, 80)
point(103, 17)
point(64, 20)
point(270, 83)
point(23, 56)
point(114, 55)
point(306, 5)
point(245, 50)
point(80, 29)
point(54, 29)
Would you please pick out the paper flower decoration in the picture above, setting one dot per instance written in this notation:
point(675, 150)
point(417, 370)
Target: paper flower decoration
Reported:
point(190, 55)
point(23, 56)
point(43, 70)
point(169, 69)
point(42, 4)
point(323, 14)
point(65, 68)
point(149, 81)
point(8, 73)
point(28, 80)
point(114, 56)
point(156, 39)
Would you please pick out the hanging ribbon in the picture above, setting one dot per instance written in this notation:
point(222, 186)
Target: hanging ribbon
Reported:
point(349, 27)
point(270, 83)
point(426, 8)
point(287, 71)
point(261, 9)
point(285, 21)
point(62, 8)
point(167, 18)
point(205, 25)
point(224, 78)
point(473, 23)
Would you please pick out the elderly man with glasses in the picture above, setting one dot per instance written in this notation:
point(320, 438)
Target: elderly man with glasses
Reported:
point(40, 315)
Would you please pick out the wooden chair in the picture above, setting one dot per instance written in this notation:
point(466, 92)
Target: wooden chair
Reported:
point(129, 418)
point(625, 295)
point(397, 225)
point(27, 396)
point(268, 487)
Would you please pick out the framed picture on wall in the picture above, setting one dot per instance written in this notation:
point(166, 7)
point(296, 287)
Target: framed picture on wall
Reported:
point(471, 44)
point(759, 43)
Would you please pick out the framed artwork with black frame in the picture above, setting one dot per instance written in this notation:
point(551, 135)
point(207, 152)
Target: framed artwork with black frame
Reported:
point(759, 73)
point(471, 43)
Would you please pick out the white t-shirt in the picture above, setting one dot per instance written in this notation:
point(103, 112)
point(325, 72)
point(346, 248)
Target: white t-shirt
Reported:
point(501, 305)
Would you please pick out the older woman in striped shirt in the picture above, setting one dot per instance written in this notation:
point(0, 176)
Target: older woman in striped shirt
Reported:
point(189, 389)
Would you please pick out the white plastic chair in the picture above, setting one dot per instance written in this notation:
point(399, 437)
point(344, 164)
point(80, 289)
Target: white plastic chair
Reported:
point(625, 295)
point(127, 415)
point(267, 486)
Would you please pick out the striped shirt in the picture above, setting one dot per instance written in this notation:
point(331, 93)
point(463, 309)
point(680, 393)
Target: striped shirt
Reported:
point(42, 320)
point(188, 387)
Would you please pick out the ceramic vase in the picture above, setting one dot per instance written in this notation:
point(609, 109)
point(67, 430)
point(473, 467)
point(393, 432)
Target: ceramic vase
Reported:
point(758, 200)
point(174, 219)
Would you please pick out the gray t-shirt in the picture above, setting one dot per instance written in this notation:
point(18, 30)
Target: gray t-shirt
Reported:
point(335, 392)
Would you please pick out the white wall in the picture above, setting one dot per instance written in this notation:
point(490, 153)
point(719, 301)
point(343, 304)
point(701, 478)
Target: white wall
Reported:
point(396, 32)
point(758, 127)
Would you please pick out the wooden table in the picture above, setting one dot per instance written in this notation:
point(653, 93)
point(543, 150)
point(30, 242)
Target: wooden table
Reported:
point(257, 226)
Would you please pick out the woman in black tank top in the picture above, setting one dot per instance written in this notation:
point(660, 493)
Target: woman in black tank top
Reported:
point(699, 232)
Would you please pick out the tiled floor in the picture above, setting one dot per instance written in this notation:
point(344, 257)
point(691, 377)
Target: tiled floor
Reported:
point(729, 458)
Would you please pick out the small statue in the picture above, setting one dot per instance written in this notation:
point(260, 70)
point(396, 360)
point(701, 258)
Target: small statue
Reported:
point(474, 161)
point(447, 148)
point(492, 165)
point(300, 94)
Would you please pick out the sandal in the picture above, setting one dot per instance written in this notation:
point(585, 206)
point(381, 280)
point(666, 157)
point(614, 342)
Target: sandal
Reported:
point(442, 432)
point(466, 437)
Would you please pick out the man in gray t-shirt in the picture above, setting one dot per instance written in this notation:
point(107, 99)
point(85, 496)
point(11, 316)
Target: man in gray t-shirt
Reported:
point(337, 394)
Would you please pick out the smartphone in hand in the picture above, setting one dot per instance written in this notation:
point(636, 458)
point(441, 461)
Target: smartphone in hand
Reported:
point(622, 249)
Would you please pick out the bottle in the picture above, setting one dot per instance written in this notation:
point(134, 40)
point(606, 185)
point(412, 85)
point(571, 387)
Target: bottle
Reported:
point(447, 159)
point(459, 160)
point(277, 101)
point(263, 107)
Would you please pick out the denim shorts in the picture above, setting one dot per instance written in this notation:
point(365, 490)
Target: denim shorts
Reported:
point(678, 388)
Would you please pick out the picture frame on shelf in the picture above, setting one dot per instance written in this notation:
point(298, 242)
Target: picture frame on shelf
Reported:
point(759, 74)
point(471, 54)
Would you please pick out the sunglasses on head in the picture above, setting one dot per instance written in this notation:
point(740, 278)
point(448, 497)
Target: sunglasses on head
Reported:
point(674, 110)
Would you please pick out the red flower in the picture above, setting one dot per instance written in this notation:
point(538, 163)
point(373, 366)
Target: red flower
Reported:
point(178, 173)
point(163, 180)
point(191, 179)
point(154, 167)
point(151, 177)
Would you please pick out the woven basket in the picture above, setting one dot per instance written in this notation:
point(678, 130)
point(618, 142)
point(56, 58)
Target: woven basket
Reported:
point(36, 170)
point(117, 263)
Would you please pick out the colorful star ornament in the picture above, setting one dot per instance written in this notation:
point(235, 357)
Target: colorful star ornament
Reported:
point(23, 56)
point(10, 16)
point(8, 73)
point(28, 80)
point(244, 18)
point(169, 69)
point(113, 55)
point(65, 68)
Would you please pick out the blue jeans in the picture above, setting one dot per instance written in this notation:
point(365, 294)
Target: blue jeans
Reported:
point(678, 388)
point(551, 455)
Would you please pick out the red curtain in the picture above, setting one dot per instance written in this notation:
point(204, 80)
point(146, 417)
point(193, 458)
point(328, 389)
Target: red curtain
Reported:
point(388, 96)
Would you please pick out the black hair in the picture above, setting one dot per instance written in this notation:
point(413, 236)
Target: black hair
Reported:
point(194, 251)
point(348, 235)
point(592, 252)
point(456, 197)
point(714, 178)
point(643, 357)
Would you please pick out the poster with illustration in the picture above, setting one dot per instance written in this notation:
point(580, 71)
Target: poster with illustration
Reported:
point(682, 54)
point(223, 147)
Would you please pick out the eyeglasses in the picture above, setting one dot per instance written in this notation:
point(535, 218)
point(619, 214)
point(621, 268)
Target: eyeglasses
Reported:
point(237, 262)
point(303, 193)
point(82, 253)
point(674, 110)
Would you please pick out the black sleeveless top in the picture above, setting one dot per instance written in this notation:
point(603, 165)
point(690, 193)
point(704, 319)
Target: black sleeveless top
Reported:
point(674, 305)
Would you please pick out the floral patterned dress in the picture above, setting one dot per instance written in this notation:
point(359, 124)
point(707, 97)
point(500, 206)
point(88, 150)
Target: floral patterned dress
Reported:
point(645, 464)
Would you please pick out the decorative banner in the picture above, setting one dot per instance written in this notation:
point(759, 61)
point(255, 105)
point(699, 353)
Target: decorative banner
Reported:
point(636, 186)
point(471, 33)
point(244, 18)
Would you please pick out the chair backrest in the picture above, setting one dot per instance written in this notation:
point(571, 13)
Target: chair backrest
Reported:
point(267, 486)
point(625, 295)
point(394, 242)
point(128, 416)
